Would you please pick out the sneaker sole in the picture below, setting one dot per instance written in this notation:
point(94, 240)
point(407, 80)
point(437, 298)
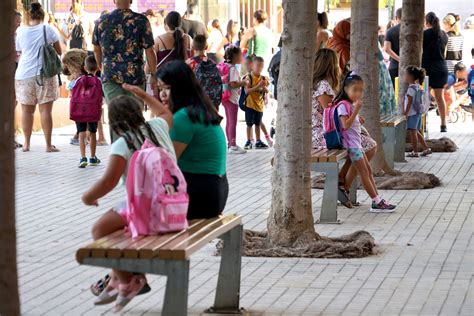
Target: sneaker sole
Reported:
point(376, 210)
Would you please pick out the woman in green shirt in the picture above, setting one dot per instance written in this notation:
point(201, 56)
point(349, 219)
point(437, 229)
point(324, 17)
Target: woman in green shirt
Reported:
point(198, 139)
point(258, 39)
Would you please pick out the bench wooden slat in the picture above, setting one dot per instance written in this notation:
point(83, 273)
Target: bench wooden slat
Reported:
point(337, 155)
point(322, 155)
point(100, 251)
point(132, 250)
point(153, 249)
point(188, 246)
point(85, 252)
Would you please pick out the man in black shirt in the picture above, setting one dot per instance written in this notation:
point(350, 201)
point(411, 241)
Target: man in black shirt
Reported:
point(392, 46)
point(192, 24)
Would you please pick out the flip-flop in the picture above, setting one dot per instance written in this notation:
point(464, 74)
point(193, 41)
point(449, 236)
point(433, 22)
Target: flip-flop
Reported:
point(25, 150)
point(52, 149)
point(102, 144)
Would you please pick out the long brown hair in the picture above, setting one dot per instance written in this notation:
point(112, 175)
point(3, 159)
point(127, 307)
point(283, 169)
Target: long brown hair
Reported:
point(326, 67)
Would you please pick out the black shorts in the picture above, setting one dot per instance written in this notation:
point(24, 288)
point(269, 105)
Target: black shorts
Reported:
point(207, 194)
point(84, 127)
point(253, 117)
point(437, 72)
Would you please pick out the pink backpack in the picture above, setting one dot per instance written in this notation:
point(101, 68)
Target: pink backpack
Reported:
point(224, 69)
point(157, 201)
point(86, 100)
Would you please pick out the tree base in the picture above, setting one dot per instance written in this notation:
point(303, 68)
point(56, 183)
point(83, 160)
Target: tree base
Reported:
point(356, 245)
point(440, 145)
point(407, 181)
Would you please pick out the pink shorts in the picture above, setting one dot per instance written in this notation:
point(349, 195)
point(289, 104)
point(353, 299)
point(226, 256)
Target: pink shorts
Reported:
point(28, 92)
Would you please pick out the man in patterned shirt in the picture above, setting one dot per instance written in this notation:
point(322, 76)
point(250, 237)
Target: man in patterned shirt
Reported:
point(119, 39)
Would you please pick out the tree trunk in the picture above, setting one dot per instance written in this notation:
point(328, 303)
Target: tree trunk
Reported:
point(291, 217)
point(364, 60)
point(9, 300)
point(411, 41)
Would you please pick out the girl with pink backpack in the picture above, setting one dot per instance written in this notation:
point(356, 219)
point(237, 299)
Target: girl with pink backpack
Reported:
point(144, 157)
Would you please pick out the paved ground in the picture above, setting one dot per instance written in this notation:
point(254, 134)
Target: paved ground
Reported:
point(425, 266)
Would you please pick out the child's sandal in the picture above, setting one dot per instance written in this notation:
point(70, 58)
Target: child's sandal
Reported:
point(99, 286)
point(128, 291)
point(426, 152)
point(110, 293)
point(413, 155)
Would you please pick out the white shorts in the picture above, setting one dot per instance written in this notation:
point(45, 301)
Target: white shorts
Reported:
point(28, 92)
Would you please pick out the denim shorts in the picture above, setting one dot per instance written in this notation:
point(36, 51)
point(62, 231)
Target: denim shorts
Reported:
point(414, 122)
point(355, 154)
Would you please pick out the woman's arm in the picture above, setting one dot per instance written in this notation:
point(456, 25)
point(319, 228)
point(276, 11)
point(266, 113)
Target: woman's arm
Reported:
point(179, 148)
point(247, 37)
point(155, 105)
point(115, 168)
point(57, 47)
point(223, 43)
point(324, 99)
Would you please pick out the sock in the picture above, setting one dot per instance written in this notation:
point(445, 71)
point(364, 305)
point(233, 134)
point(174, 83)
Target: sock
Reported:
point(267, 137)
point(377, 199)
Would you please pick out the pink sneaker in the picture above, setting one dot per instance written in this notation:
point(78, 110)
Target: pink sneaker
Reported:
point(128, 291)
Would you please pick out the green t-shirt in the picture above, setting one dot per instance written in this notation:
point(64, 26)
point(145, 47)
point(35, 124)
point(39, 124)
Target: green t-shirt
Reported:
point(206, 151)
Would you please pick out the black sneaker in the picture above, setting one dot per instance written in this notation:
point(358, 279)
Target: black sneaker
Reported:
point(260, 145)
point(248, 145)
point(443, 129)
point(94, 161)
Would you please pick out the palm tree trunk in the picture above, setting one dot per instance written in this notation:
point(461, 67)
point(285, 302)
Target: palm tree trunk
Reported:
point(411, 41)
point(291, 217)
point(9, 300)
point(364, 60)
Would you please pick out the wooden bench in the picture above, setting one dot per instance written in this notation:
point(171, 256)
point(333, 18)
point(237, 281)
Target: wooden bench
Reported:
point(169, 255)
point(394, 129)
point(329, 161)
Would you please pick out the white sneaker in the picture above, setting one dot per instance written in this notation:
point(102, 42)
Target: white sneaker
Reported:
point(236, 150)
point(270, 142)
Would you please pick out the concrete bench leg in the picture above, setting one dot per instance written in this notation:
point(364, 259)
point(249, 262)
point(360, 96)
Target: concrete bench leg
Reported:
point(389, 143)
point(228, 284)
point(401, 131)
point(329, 205)
point(176, 294)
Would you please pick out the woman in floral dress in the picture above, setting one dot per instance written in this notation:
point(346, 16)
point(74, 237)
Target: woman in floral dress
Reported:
point(325, 80)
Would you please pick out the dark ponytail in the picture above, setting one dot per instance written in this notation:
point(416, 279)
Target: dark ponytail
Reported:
point(36, 12)
point(173, 21)
point(349, 79)
point(417, 73)
point(433, 20)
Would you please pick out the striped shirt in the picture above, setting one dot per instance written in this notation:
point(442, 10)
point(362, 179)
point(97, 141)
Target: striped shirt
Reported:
point(454, 50)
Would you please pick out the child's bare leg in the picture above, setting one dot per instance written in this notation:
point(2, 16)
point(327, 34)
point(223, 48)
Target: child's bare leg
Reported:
point(371, 174)
point(249, 132)
point(352, 173)
point(93, 143)
point(414, 140)
point(263, 128)
point(365, 177)
point(422, 141)
point(100, 130)
point(257, 131)
point(82, 143)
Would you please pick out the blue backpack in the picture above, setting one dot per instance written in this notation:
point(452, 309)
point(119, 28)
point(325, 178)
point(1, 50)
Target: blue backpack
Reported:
point(244, 95)
point(332, 125)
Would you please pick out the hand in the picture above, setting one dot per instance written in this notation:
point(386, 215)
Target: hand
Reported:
point(261, 84)
point(358, 105)
point(88, 201)
point(135, 90)
point(361, 119)
point(153, 83)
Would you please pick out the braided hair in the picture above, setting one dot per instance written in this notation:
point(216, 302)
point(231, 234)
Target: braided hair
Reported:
point(126, 120)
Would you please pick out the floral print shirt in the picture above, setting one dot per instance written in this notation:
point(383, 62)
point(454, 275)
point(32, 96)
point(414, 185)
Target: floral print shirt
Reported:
point(123, 35)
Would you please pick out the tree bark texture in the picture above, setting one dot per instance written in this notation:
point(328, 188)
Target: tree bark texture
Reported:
point(291, 217)
point(9, 300)
point(364, 50)
point(411, 41)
